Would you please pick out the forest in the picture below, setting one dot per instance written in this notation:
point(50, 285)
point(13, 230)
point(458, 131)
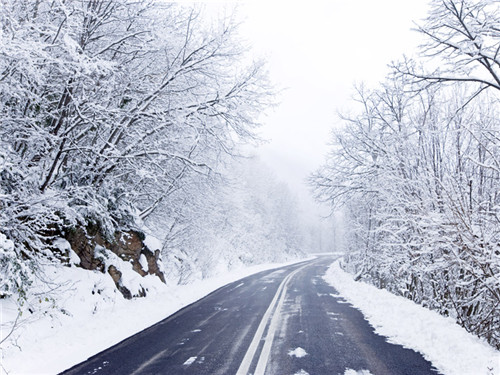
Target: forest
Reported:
point(416, 171)
point(122, 121)
point(127, 139)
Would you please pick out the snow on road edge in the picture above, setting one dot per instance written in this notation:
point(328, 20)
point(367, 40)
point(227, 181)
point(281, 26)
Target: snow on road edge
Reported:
point(450, 348)
point(93, 322)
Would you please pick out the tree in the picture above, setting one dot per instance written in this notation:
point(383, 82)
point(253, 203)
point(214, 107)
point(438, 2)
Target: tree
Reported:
point(420, 206)
point(465, 36)
point(417, 171)
point(242, 217)
point(110, 107)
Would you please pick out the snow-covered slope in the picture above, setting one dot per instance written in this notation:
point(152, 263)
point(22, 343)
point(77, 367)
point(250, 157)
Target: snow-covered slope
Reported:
point(450, 348)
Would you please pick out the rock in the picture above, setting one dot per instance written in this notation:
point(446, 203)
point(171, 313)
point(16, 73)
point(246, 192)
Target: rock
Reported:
point(84, 247)
point(128, 246)
point(117, 278)
point(153, 259)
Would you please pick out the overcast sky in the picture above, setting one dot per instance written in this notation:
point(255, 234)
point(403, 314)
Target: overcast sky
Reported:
point(317, 50)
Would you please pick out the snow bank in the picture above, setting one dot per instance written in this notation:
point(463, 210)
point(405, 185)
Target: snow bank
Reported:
point(450, 348)
point(91, 315)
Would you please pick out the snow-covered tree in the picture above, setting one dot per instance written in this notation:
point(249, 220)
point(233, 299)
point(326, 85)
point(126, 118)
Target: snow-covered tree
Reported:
point(243, 217)
point(462, 43)
point(108, 108)
point(417, 171)
point(415, 174)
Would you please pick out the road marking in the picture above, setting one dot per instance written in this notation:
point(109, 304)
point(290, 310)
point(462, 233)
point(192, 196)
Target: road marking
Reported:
point(264, 356)
point(266, 350)
point(149, 361)
point(247, 359)
point(189, 361)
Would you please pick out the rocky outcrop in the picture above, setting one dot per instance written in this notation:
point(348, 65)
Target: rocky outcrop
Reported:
point(128, 246)
point(83, 244)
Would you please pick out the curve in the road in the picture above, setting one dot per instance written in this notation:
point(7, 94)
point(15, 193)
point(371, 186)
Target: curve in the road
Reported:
point(284, 321)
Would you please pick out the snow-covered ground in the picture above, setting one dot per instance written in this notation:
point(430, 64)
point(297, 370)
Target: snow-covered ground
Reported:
point(450, 348)
point(91, 316)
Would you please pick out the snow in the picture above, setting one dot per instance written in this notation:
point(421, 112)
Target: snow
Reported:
point(450, 348)
point(190, 361)
point(143, 262)
point(91, 315)
point(354, 372)
point(5, 244)
point(297, 352)
point(153, 243)
point(134, 282)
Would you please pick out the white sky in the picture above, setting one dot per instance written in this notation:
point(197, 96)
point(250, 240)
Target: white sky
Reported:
point(318, 50)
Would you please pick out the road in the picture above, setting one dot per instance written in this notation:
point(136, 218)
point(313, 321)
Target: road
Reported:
point(284, 321)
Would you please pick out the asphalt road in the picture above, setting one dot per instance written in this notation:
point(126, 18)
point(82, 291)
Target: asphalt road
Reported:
point(284, 321)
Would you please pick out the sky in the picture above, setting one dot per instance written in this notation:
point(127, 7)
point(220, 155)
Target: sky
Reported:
point(316, 51)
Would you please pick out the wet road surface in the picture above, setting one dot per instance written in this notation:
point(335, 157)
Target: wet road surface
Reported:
point(283, 321)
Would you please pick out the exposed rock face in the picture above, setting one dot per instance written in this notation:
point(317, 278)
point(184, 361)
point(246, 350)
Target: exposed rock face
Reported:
point(153, 268)
point(117, 278)
point(129, 246)
point(84, 245)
